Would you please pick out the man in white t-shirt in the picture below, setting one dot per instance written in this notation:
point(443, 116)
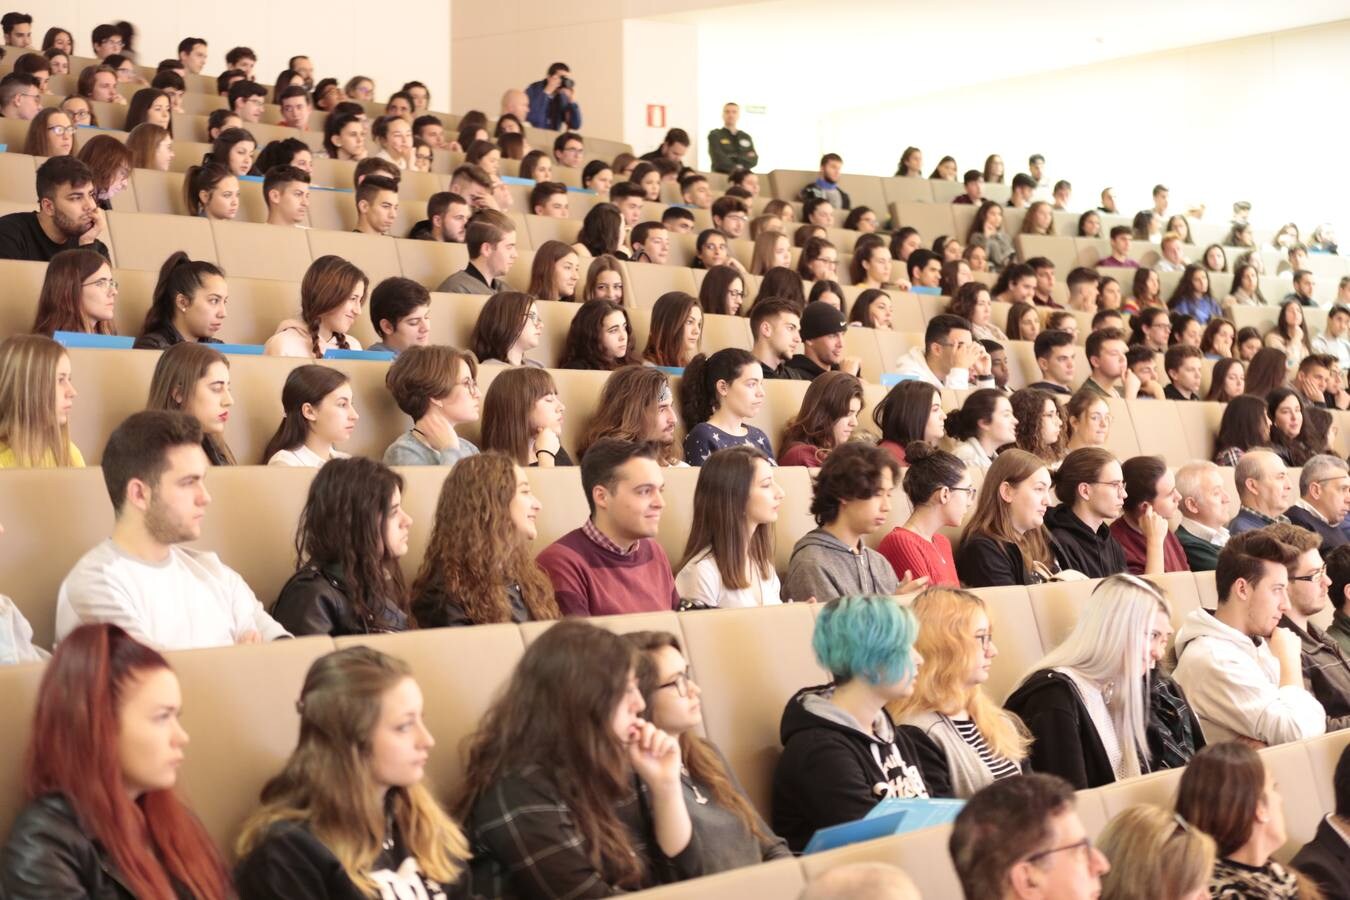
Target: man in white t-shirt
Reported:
point(169, 596)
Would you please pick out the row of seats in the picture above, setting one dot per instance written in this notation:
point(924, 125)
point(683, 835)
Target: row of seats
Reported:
point(239, 709)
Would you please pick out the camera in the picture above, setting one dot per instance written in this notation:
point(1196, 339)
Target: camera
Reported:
point(567, 83)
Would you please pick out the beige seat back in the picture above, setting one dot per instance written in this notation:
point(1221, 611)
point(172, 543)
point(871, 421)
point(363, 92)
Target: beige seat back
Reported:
point(144, 240)
point(922, 854)
point(430, 262)
point(779, 878)
point(251, 250)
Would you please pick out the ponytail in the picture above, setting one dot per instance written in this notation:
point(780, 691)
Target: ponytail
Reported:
point(201, 178)
point(305, 385)
point(180, 274)
point(964, 423)
point(698, 387)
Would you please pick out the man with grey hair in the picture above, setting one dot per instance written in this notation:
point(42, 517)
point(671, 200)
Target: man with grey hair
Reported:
point(1204, 514)
point(861, 881)
point(1324, 499)
point(1263, 491)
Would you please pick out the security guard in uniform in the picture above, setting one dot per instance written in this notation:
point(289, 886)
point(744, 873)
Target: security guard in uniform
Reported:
point(731, 149)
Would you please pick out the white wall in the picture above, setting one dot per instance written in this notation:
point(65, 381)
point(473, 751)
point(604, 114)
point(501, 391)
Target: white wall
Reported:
point(1261, 118)
point(343, 37)
point(659, 61)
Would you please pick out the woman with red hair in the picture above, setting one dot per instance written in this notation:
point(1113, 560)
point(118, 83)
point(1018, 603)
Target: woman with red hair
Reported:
point(102, 818)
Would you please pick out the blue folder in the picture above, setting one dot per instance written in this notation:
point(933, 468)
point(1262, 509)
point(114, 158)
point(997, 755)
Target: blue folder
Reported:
point(891, 379)
point(239, 349)
point(376, 355)
point(887, 818)
point(96, 341)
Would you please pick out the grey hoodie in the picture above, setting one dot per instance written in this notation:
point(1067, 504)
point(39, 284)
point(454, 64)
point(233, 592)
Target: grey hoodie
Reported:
point(824, 567)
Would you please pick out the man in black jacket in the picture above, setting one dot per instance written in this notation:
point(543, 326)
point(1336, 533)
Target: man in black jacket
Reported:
point(1324, 499)
point(1091, 492)
point(1326, 858)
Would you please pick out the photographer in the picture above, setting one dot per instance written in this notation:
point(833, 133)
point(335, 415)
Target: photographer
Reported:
point(553, 100)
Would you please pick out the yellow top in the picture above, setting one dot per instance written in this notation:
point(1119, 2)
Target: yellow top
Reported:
point(7, 460)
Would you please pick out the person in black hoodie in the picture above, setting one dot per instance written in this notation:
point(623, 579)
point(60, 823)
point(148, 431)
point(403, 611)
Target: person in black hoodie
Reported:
point(348, 816)
point(1326, 858)
point(1086, 703)
point(842, 754)
point(352, 532)
point(1091, 491)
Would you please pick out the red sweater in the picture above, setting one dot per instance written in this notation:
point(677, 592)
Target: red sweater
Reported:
point(589, 580)
point(905, 550)
point(1132, 542)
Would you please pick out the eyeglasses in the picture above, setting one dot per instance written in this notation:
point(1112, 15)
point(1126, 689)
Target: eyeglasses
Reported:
point(533, 317)
point(968, 490)
point(103, 284)
point(37, 96)
point(1118, 485)
point(986, 640)
point(80, 115)
point(739, 295)
point(1311, 576)
point(680, 683)
point(1085, 845)
point(468, 384)
point(61, 130)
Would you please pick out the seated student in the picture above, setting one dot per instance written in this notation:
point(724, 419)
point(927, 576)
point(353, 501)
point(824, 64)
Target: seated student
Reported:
point(1063, 320)
point(1335, 339)
point(447, 219)
point(286, 191)
point(1085, 733)
point(151, 147)
point(1244, 426)
point(1006, 542)
point(1241, 670)
point(1108, 360)
point(939, 487)
point(827, 419)
point(195, 379)
point(949, 356)
point(1263, 490)
point(910, 411)
point(478, 568)
point(614, 818)
point(437, 387)
point(1153, 854)
point(400, 310)
point(982, 743)
point(169, 596)
point(109, 161)
point(211, 192)
point(600, 337)
point(971, 302)
point(872, 309)
point(317, 412)
point(728, 557)
point(1009, 842)
point(1324, 498)
point(851, 498)
point(651, 243)
point(555, 272)
point(676, 219)
point(775, 324)
point(1228, 793)
point(189, 303)
point(1089, 420)
point(1091, 492)
point(36, 397)
point(1055, 358)
point(102, 817)
point(376, 205)
point(315, 835)
point(491, 239)
point(475, 186)
point(1184, 366)
point(1082, 284)
point(1151, 501)
point(1287, 414)
point(718, 394)
point(982, 425)
point(822, 344)
point(67, 218)
point(331, 296)
point(393, 135)
point(1322, 859)
point(508, 327)
point(925, 271)
point(722, 292)
point(636, 404)
point(730, 831)
point(1119, 257)
point(344, 137)
point(838, 737)
point(79, 294)
point(603, 232)
point(523, 418)
point(51, 133)
point(1040, 426)
point(549, 198)
point(772, 249)
point(351, 535)
point(1204, 514)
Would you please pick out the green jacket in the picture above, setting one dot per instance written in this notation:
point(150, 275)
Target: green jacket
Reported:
point(731, 151)
point(1200, 553)
point(1339, 630)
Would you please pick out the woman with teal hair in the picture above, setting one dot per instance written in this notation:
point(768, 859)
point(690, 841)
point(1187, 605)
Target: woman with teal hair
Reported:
point(842, 754)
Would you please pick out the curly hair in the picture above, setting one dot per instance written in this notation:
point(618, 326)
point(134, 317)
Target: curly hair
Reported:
point(1028, 406)
point(475, 551)
point(628, 402)
point(584, 347)
point(852, 472)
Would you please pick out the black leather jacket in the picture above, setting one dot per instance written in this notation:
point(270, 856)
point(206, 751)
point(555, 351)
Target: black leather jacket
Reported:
point(49, 855)
point(314, 601)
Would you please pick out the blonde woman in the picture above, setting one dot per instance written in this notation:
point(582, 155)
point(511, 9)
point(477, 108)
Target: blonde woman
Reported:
point(1155, 853)
point(348, 815)
point(36, 396)
point(982, 742)
point(1086, 703)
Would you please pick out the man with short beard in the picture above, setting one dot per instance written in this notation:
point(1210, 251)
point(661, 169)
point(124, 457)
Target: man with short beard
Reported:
point(68, 217)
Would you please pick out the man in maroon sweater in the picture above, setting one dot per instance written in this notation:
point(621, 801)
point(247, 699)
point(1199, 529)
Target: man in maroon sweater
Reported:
point(611, 564)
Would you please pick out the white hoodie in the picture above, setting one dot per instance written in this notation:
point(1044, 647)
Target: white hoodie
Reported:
point(1233, 683)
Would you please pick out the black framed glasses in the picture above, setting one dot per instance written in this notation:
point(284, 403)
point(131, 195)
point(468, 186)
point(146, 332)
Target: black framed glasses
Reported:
point(1085, 845)
point(1317, 575)
point(680, 683)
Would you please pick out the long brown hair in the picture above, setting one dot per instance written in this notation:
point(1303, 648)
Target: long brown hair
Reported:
point(665, 341)
point(176, 375)
point(305, 385)
point(826, 401)
point(475, 551)
point(154, 840)
point(61, 304)
point(342, 527)
point(628, 403)
point(143, 142)
point(556, 713)
point(506, 410)
point(718, 525)
point(38, 140)
point(993, 518)
point(499, 325)
point(1219, 792)
point(699, 756)
point(106, 157)
point(542, 278)
point(327, 785)
point(761, 258)
point(327, 284)
point(1028, 406)
point(601, 264)
point(28, 421)
point(583, 348)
